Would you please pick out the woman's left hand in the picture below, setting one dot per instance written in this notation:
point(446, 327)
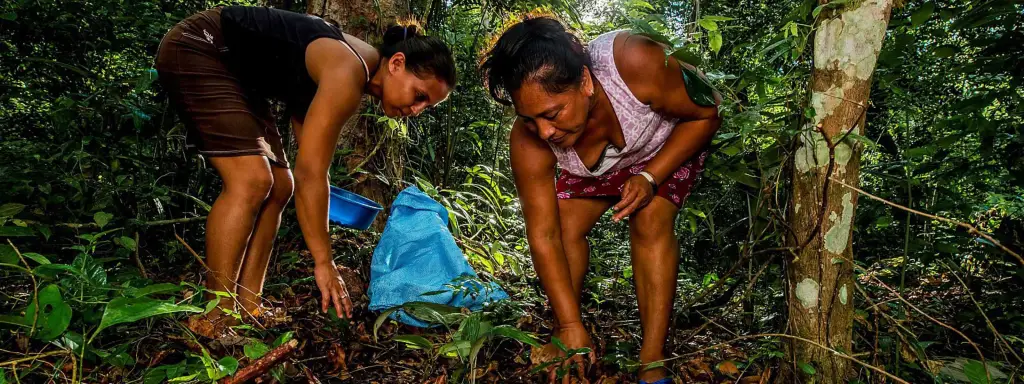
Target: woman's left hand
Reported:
point(637, 192)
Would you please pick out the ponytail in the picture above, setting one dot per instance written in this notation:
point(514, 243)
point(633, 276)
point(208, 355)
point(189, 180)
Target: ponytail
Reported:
point(424, 55)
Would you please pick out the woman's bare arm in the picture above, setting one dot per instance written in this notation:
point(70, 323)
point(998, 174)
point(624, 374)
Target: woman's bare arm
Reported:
point(533, 170)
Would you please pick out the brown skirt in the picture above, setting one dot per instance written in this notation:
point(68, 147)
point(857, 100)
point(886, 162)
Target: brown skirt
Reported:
point(221, 117)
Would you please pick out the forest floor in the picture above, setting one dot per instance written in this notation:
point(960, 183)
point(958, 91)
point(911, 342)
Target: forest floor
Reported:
point(336, 350)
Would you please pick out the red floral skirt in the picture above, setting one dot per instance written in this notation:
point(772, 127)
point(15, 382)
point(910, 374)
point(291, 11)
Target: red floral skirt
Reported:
point(675, 189)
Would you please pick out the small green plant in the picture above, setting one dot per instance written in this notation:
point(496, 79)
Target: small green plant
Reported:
point(467, 334)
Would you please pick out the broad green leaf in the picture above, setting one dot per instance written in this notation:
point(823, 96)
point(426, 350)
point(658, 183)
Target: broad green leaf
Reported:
point(414, 341)
point(558, 343)
point(709, 25)
point(54, 315)
point(971, 371)
point(255, 349)
point(715, 40)
point(921, 15)
point(699, 89)
point(284, 338)
point(686, 56)
point(433, 312)
point(51, 270)
point(9, 16)
point(8, 256)
point(128, 243)
point(183, 379)
point(92, 271)
point(42, 260)
point(15, 231)
point(807, 368)
point(456, 348)
point(975, 372)
point(514, 333)
point(126, 310)
point(155, 289)
point(155, 376)
point(102, 218)
point(10, 209)
point(227, 365)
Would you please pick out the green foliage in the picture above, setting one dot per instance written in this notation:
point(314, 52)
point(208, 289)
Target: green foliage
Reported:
point(126, 310)
point(92, 156)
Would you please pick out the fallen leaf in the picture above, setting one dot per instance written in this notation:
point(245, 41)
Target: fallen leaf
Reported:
point(728, 368)
point(336, 355)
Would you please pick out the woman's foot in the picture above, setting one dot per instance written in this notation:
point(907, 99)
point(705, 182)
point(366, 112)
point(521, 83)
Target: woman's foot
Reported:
point(653, 375)
point(213, 325)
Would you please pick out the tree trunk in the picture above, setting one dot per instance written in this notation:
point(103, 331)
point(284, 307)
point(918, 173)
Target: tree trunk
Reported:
point(378, 153)
point(820, 277)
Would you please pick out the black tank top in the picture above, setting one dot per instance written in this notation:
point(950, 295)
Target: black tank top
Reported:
point(267, 51)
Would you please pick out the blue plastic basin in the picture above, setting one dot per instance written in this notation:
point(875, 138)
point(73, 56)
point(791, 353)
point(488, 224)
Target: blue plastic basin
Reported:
point(352, 210)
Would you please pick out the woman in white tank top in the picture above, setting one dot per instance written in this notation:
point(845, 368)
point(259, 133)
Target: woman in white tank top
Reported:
point(617, 119)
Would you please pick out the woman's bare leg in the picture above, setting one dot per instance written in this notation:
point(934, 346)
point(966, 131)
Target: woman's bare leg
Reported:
point(247, 183)
point(261, 244)
point(655, 265)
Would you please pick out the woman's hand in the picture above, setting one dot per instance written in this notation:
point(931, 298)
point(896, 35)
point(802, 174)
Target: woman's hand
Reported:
point(637, 192)
point(332, 289)
point(573, 336)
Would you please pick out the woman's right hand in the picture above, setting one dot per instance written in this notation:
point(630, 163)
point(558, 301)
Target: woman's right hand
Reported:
point(573, 336)
point(332, 289)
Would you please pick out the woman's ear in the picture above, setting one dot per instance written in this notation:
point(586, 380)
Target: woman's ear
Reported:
point(588, 84)
point(396, 62)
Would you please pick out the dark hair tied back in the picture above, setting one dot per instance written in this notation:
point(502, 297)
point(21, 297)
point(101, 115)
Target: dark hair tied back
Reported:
point(536, 49)
point(424, 55)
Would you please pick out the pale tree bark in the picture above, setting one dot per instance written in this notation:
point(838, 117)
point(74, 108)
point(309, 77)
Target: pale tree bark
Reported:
point(820, 276)
point(379, 153)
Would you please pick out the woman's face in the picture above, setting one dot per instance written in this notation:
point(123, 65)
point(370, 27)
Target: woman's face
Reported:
point(403, 93)
point(558, 118)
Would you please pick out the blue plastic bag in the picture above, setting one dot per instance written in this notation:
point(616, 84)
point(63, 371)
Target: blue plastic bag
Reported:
point(417, 255)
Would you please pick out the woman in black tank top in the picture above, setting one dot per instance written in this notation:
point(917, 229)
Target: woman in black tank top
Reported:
point(221, 67)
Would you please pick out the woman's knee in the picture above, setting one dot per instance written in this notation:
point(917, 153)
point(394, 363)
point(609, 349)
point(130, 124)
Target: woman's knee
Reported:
point(253, 188)
point(283, 188)
point(655, 222)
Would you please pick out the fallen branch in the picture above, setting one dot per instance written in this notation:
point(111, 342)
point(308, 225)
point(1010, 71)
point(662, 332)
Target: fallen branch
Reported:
point(970, 228)
point(263, 364)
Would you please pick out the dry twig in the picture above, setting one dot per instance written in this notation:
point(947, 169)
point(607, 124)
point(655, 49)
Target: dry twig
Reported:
point(263, 364)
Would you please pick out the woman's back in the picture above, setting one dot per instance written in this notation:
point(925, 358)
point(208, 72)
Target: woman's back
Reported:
point(266, 49)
